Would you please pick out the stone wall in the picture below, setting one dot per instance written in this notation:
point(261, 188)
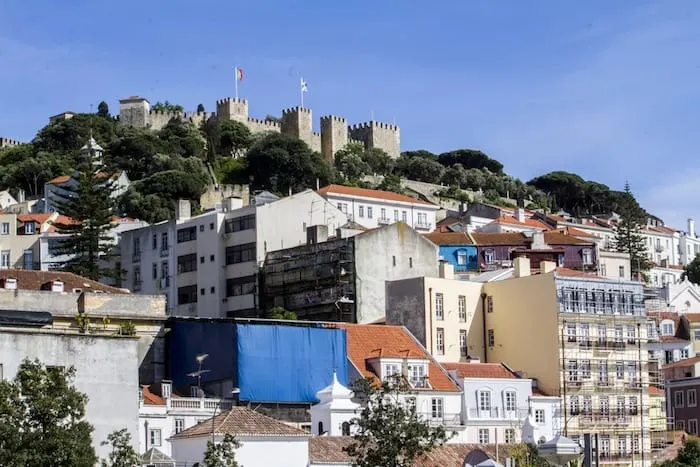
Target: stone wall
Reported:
point(7, 142)
point(215, 194)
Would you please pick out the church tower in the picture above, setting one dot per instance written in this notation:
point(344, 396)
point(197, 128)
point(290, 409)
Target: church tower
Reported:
point(333, 414)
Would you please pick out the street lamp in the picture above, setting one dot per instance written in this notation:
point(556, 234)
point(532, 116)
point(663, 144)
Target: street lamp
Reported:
point(559, 451)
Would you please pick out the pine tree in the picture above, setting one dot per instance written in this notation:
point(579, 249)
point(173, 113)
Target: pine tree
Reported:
point(628, 237)
point(89, 205)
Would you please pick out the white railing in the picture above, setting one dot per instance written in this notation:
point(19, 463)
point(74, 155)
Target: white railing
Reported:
point(198, 404)
point(498, 413)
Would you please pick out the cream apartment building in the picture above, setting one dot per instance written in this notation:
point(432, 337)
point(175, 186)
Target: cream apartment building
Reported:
point(585, 339)
point(19, 239)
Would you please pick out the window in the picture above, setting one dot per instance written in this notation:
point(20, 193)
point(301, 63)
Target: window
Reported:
point(187, 234)
point(28, 259)
point(678, 399)
point(463, 342)
point(137, 278)
point(696, 335)
point(391, 369)
point(212, 290)
point(622, 444)
point(165, 273)
point(439, 306)
point(692, 398)
point(587, 255)
point(369, 212)
point(490, 337)
point(164, 241)
point(510, 401)
point(5, 228)
point(440, 341)
point(187, 294)
point(240, 286)
point(202, 291)
point(211, 258)
point(320, 428)
point(620, 370)
point(631, 334)
point(462, 258)
point(29, 228)
point(211, 226)
point(483, 436)
point(346, 429)
point(666, 329)
point(201, 260)
point(154, 242)
point(573, 405)
point(410, 261)
point(462, 308)
point(155, 437)
point(239, 223)
point(488, 256)
point(404, 216)
point(622, 272)
point(485, 400)
point(396, 215)
point(201, 228)
point(693, 426)
point(416, 375)
point(154, 271)
point(240, 253)
point(489, 304)
point(509, 435)
point(186, 263)
point(361, 211)
point(539, 416)
point(137, 246)
point(680, 425)
point(684, 354)
point(179, 425)
point(5, 259)
point(382, 213)
point(436, 408)
point(668, 356)
point(422, 219)
point(586, 369)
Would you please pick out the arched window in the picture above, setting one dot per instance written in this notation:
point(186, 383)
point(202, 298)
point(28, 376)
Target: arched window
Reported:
point(346, 429)
point(320, 428)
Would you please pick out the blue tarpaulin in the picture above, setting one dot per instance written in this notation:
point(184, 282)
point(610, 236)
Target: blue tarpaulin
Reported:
point(279, 363)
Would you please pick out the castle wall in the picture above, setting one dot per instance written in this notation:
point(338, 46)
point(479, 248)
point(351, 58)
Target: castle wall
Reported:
point(315, 144)
point(134, 112)
point(216, 194)
point(378, 135)
point(334, 135)
point(232, 108)
point(296, 122)
point(7, 142)
point(255, 125)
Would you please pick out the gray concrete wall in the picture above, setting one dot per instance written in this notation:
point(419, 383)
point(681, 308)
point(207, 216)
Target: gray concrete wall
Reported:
point(375, 252)
point(405, 306)
point(106, 370)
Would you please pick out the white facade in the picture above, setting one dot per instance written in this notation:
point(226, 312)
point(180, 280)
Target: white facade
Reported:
point(374, 208)
point(614, 265)
point(52, 191)
point(661, 276)
point(106, 367)
point(688, 244)
point(544, 421)
point(6, 199)
point(333, 414)
point(207, 265)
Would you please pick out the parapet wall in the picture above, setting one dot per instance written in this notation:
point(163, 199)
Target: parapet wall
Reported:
point(7, 142)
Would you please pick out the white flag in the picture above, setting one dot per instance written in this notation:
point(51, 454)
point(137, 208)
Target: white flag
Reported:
point(304, 87)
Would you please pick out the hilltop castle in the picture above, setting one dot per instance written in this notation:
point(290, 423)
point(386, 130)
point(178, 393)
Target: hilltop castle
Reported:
point(296, 121)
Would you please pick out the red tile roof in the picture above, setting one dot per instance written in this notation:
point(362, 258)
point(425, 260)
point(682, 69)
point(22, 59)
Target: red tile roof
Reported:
point(38, 218)
point(672, 339)
point(566, 272)
point(241, 421)
point(367, 341)
point(59, 180)
point(682, 363)
point(35, 280)
point(692, 317)
point(61, 219)
point(507, 238)
point(449, 238)
point(576, 232)
point(151, 399)
point(654, 391)
point(529, 222)
point(480, 370)
point(367, 193)
point(540, 392)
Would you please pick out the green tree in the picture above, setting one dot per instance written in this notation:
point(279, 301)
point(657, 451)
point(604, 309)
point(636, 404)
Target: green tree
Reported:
point(470, 159)
point(89, 206)
point(526, 455)
point(389, 431)
point(103, 110)
point(123, 453)
point(349, 163)
point(391, 182)
point(42, 417)
point(628, 237)
point(278, 312)
point(63, 138)
point(279, 162)
point(692, 271)
point(235, 137)
point(181, 138)
point(455, 176)
point(222, 454)
point(166, 107)
point(689, 454)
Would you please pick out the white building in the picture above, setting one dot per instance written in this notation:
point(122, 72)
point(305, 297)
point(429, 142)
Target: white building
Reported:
point(264, 441)
point(688, 244)
point(333, 414)
point(208, 265)
point(105, 364)
point(374, 208)
point(6, 199)
point(497, 403)
point(165, 414)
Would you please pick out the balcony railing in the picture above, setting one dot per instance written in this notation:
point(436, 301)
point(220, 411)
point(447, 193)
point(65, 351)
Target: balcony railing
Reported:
point(497, 413)
point(444, 419)
point(421, 226)
point(164, 252)
point(194, 403)
point(384, 221)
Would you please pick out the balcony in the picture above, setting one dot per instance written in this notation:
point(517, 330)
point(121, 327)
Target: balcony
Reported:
point(442, 419)
point(203, 404)
point(136, 257)
point(497, 413)
point(621, 457)
point(164, 252)
point(422, 226)
point(384, 221)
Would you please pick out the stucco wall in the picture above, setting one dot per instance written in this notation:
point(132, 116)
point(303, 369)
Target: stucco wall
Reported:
point(106, 370)
point(254, 452)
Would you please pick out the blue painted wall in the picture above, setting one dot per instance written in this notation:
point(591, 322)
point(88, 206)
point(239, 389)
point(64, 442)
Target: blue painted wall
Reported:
point(449, 253)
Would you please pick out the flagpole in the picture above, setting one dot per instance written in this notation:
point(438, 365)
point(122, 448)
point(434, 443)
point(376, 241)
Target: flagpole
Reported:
point(235, 80)
point(301, 91)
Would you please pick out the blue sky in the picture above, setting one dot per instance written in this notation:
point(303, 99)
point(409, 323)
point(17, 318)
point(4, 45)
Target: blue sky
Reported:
point(607, 89)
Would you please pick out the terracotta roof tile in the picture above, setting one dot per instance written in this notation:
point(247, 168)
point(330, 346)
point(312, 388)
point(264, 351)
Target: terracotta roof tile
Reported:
point(682, 363)
point(480, 370)
point(241, 421)
point(692, 317)
point(35, 280)
point(151, 399)
point(367, 193)
point(366, 341)
point(672, 339)
point(38, 218)
point(529, 222)
point(654, 391)
point(58, 180)
point(449, 238)
point(574, 232)
point(566, 272)
point(61, 219)
point(507, 238)
point(540, 392)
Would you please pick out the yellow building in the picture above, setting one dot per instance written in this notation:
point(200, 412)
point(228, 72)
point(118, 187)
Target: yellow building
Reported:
point(583, 338)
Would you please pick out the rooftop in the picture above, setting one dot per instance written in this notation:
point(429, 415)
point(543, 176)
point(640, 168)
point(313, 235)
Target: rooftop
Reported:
point(481, 370)
point(38, 280)
point(528, 222)
point(367, 341)
point(240, 421)
point(151, 399)
point(682, 363)
point(368, 193)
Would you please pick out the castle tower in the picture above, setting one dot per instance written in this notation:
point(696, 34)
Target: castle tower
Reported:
point(296, 122)
point(378, 135)
point(134, 111)
point(334, 136)
point(334, 411)
point(232, 108)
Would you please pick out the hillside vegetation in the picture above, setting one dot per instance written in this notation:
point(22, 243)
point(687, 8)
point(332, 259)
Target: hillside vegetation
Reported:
point(172, 163)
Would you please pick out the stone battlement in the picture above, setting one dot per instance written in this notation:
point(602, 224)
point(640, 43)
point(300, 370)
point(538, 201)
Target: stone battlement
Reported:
point(270, 123)
point(373, 124)
point(7, 142)
point(296, 109)
point(333, 118)
point(166, 113)
point(227, 100)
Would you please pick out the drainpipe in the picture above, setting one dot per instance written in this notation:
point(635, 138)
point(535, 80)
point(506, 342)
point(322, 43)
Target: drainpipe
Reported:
point(430, 319)
point(483, 327)
point(145, 424)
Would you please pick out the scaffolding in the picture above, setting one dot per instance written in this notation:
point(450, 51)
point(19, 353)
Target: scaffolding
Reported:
point(605, 370)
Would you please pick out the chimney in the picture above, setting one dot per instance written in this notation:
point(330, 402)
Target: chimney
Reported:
point(232, 203)
point(183, 209)
point(473, 359)
point(21, 198)
point(538, 242)
point(547, 266)
point(56, 286)
point(447, 271)
point(521, 266)
point(691, 228)
point(9, 283)
point(316, 234)
point(520, 214)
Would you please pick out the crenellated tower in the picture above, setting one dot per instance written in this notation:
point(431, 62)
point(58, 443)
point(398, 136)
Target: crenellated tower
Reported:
point(134, 111)
point(232, 108)
point(296, 122)
point(334, 135)
point(378, 135)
